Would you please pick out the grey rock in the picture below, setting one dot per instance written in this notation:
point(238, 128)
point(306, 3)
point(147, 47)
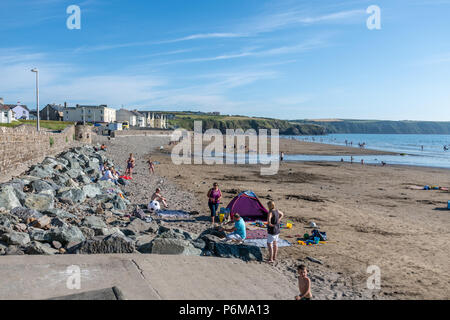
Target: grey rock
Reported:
point(75, 195)
point(25, 213)
point(60, 214)
point(67, 234)
point(37, 248)
point(165, 232)
point(39, 202)
point(41, 172)
point(41, 185)
point(84, 179)
point(14, 250)
point(92, 190)
point(39, 235)
point(94, 222)
point(244, 252)
point(5, 222)
point(87, 232)
point(58, 222)
point(174, 247)
point(8, 198)
point(138, 226)
point(115, 243)
point(16, 238)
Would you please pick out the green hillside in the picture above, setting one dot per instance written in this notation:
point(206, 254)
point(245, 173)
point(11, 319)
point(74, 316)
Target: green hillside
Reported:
point(186, 121)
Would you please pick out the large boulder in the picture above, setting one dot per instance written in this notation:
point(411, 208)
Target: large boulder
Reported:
point(39, 235)
point(59, 213)
point(42, 171)
point(39, 202)
point(16, 238)
point(138, 226)
point(37, 248)
point(8, 198)
point(41, 185)
point(230, 250)
point(115, 243)
point(94, 222)
point(75, 195)
point(67, 234)
point(91, 190)
point(174, 246)
point(5, 222)
point(25, 213)
point(174, 233)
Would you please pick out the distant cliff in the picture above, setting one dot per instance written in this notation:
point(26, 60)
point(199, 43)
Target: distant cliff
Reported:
point(186, 121)
point(381, 126)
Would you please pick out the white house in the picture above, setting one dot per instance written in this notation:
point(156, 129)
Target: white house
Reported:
point(6, 114)
point(126, 115)
point(140, 119)
point(91, 114)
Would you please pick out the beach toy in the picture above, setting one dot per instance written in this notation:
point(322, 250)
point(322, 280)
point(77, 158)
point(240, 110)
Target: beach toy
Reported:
point(313, 225)
point(221, 216)
point(426, 188)
point(316, 240)
point(289, 225)
point(306, 236)
point(301, 243)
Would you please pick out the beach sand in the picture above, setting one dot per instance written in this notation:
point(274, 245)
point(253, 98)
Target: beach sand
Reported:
point(368, 212)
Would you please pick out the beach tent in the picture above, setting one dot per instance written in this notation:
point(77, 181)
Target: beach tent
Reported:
point(248, 206)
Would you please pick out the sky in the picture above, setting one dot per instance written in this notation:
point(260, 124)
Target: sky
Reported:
point(284, 59)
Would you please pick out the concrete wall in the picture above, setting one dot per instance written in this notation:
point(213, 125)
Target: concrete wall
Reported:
point(23, 146)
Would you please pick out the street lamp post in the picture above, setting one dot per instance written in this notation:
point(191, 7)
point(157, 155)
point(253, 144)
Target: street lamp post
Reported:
point(37, 97)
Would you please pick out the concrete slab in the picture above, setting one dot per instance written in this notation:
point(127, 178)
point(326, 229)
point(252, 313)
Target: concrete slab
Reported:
point(139, 276)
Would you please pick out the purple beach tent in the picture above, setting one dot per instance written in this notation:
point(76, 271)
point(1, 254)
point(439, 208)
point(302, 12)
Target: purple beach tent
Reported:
point(248, 206)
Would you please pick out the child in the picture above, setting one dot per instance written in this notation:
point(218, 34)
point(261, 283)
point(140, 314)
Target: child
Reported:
point(151, 165)
point(130, 166)
point(304, 284)
point(158, 197)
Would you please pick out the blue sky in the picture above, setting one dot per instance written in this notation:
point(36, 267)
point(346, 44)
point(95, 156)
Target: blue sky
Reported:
point(285, 59)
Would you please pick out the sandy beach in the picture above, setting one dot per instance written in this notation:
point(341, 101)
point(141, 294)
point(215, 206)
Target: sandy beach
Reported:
point(370, 214)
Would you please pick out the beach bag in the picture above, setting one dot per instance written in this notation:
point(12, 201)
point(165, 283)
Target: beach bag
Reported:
point(321, 235)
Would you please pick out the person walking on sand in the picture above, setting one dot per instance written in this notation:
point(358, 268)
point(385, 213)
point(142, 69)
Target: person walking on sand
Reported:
point(281, 156)
point(158, 197)
point(304, 284)
point(273, 230)
point(151, 166)
point(131, 162)
point(214, 197)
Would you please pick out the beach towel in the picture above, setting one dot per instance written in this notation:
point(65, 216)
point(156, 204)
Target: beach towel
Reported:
point(257, 234)
point(262, 243)
point(173, 214)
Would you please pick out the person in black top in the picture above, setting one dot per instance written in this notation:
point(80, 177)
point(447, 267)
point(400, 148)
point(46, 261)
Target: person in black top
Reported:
point(273, 230)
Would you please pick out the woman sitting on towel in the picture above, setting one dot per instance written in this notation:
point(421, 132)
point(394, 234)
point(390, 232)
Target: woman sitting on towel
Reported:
point(214, 196)
point(273, 230)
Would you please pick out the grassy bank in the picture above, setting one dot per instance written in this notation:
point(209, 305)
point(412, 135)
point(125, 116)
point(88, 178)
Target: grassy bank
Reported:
point(45, 124)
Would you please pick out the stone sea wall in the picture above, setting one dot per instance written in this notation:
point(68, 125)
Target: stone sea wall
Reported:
point(23, 146)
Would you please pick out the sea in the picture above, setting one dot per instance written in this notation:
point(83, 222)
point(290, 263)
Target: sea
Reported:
point(407, 146)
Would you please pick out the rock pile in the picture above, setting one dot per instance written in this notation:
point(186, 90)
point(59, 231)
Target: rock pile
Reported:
point(61, 206)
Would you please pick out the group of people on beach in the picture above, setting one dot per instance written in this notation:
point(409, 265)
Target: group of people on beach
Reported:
point(237, 234)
